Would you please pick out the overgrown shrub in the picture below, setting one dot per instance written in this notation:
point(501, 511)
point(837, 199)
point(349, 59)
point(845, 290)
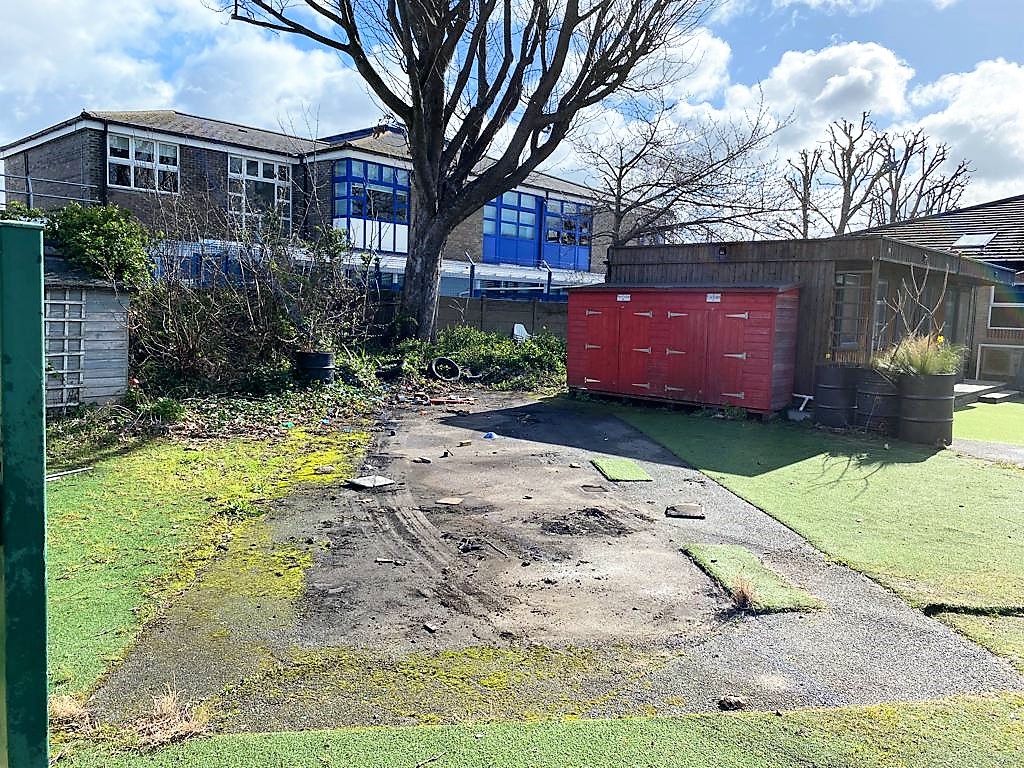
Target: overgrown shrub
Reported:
point(921, 355)
point(538, 363)
point(104, 240)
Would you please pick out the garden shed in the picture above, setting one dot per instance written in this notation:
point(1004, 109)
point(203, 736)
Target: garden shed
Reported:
point(849, 287)
point(86, 333)
point(716, 345)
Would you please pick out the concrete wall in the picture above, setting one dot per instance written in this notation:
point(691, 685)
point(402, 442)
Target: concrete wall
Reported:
point(501, 315)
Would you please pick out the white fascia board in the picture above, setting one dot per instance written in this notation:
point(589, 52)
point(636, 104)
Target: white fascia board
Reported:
point(349, 153)
point(154, 135)
point(49, 136)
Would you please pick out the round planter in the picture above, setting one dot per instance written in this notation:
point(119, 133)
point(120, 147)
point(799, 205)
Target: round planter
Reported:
point(878, 402)
point(926, 410)
point(835, 395)
point(315, 366)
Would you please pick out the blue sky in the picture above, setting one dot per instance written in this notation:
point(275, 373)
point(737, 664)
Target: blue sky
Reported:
point(952, 66)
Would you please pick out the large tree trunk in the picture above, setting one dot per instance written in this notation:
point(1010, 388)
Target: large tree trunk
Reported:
point(417, 309)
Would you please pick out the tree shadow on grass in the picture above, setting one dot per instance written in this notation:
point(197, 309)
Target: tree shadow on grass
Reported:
point(672, 436)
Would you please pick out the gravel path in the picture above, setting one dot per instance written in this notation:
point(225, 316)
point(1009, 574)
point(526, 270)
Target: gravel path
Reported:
point(1004, 453)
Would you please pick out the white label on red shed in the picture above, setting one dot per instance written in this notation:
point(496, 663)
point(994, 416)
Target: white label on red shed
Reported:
point(623, 297)
point(714, 298)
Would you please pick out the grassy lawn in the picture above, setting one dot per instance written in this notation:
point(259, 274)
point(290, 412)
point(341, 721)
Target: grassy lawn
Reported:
point(750, 583)
point(1002, 634)
point(1002, 423)
point(936, 528)
point(979, 732)
point(134, 530)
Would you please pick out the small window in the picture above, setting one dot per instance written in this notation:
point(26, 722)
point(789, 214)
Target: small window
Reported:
point(168, 154)
point(144, 178)
point(144, 151)
point(1007, 309)
point(119, 147)
point(119, 175)
point(283, 172)
point(235, 165)
point(269, 171)
point(252, 168)
point(975, 241)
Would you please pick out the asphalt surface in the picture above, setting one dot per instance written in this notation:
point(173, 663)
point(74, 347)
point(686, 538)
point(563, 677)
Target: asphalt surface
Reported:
point(1003, 453)
point(541, 551)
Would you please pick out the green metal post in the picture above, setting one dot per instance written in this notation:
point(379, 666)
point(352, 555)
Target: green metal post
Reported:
point(23, 710)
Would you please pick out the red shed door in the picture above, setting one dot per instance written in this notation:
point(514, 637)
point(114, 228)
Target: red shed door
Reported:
point(597, 351)
point(685, 351)
point(726, 357)
point(636, 321)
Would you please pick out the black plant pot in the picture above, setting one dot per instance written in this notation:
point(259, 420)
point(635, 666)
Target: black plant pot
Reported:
point(835, 395)
point(926, 408)
point(878, 401)
point(315, 366)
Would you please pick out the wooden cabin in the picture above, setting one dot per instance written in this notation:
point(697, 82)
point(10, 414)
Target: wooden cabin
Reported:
point(86, 336)
point(857, 294)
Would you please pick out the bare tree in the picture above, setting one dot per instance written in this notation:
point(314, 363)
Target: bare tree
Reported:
point(800, 183)
point(864, 177)
point(914, 182)
point(666, 179)
point(487, 89)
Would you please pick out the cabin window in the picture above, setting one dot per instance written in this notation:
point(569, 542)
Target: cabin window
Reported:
point(259, 190)
point(142, 164)
point(1006, 311)
point(851, 301)
point(371, 191)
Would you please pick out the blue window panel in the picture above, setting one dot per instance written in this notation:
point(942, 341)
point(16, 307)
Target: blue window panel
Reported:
point(490, 249)
point(371, 191)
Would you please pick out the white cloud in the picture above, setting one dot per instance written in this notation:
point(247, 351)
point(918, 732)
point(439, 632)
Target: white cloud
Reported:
point(136, 54)
point(268, 82)
point(845, 6)
point(817, 87)
point(980, 114)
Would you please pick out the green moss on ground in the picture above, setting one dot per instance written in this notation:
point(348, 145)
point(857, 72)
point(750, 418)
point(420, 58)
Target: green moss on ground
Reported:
point(981, 732)
point(935, 527)
point(350, 686)
point(1002, 634)
point(134, 531)
point(997, 423)
point(738, 570)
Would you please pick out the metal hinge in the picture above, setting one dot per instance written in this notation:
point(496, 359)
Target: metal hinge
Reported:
point(672, 314)
point(648, 313)
point(642, 386)
point(593, 312)
point(740, 315)
point(737, 355)
point(674, 351)
point(591, 346)
point(645, 350)
point(737, 395)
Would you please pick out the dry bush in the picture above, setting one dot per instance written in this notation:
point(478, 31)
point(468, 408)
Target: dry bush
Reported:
point(172, 720)
point(744, 593)
point(68, 713)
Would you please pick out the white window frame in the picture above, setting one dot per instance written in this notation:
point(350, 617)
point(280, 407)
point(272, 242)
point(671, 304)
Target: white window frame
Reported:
point(69, 304)
point(993, 304)
point(241, 199)
point(983, 347)
point(132, 163)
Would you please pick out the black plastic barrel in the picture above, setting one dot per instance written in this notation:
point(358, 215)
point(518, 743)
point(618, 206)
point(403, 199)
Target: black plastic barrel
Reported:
point(835, 395)
point(878, 401)
point(926, 410)
point(315, 366)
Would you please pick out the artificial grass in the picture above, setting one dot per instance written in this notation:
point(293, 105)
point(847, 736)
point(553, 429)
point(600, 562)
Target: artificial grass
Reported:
point(935, 527)
point(132, 531)
point(981, 732)
point(996, 423)
point(621, 470)
point(738, 569)
point(1001, 634)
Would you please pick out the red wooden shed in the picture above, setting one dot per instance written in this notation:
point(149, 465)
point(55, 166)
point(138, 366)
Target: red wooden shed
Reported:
point(715, 345)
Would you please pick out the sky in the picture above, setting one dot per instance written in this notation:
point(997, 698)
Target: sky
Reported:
point(953, 67)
